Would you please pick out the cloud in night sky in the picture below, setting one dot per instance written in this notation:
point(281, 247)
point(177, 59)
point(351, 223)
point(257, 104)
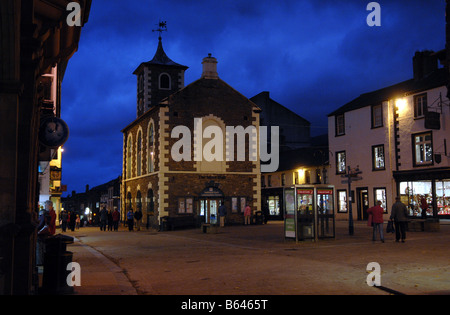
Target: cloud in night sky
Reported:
point(312, 55)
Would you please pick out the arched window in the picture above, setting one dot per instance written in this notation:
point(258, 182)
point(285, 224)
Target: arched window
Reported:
point(164, 81)
point(138, 201)
point(129, 205)
point(151, 151)
point(139, 154)
point(129, 157)
point(150, 203)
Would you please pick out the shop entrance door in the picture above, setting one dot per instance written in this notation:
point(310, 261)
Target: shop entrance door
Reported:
point(363, 203)
point(209, 209)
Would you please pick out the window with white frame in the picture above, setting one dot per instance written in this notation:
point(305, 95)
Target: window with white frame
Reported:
point(340, 162)
point(380, 195)
point(423, 149)
point(342, 200)
point(420, 105)
point(340, 125)
point(378, 162)
point(377, 116)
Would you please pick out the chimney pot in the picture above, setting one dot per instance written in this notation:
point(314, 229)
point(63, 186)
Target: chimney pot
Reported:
point(209, 68)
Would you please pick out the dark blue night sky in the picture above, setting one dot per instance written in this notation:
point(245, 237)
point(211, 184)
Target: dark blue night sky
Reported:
point(312, 55)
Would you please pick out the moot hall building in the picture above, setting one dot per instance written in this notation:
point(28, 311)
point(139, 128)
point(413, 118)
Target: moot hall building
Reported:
point(189, 191)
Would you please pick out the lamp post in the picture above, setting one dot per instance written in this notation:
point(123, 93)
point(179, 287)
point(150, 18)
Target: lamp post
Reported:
point(352, 175)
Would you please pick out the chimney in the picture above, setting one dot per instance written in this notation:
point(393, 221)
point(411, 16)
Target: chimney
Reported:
point(209, 68)
point(424, 63)
point(87, 188)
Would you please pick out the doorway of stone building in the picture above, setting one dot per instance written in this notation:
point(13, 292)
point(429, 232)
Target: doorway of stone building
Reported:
point(209, 209)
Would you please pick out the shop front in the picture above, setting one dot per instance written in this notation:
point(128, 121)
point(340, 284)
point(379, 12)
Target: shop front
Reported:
point(426, 193)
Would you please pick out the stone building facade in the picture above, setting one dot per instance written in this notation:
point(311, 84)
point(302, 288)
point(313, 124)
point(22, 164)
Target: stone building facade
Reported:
point(175, 163)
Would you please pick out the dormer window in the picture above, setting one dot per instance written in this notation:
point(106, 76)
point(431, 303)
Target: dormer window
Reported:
point(164, 81)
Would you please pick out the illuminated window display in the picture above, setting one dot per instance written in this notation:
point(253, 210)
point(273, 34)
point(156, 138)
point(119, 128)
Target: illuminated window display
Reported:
point(443, 197)
point(418, 196)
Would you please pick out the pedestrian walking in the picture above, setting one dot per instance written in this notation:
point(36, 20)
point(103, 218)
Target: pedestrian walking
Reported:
point(103, 219)
point(42, 235)
point(247, 214)
point(72, 220)
point(64, 219)
point(377, 220)
point(399, 214)
point(52, 214)
point(130, 219)
point(110, 221)
point(116, 218)
point(222, 214)
point(424, 206)
point(138, 218)
point(77, 222)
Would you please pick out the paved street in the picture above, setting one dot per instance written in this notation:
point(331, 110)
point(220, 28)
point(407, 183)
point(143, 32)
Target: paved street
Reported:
point(256, 260)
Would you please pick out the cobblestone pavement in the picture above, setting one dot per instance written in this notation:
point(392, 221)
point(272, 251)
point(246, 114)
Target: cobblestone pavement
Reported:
point(257, 260)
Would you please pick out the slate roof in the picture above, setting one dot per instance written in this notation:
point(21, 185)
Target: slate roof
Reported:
point(433, 80)
point(161, 58)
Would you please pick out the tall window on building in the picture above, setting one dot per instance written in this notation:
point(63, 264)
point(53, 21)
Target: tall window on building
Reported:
point(139, 154)
point(380, 195)
point(423, 149)
point(340, 125)
point(378, 157)
point(340, 162)
point(129, 157)
point(420, 105)
point(342, 200)
point(377, 116)
point(151, 149)
point(150, 203)
point(139, 201)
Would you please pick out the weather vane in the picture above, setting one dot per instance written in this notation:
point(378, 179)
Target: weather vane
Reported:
point(162, 27)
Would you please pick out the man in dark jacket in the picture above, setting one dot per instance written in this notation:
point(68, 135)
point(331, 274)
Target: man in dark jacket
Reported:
point(138, 217)
point(103, 219)
point(222, 214)
point(399, 214)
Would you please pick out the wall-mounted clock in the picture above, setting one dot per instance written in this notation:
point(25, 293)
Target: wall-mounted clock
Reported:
point(53, 132)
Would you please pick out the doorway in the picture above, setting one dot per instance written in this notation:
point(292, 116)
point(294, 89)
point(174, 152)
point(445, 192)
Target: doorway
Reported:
point(363, 203)
point(209, 209)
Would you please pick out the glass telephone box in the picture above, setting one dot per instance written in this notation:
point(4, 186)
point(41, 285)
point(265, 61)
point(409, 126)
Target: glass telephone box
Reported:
point(309, 212)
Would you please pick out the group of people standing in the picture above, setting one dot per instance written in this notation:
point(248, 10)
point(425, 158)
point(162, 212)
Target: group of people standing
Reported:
point(69, 219)
point(132, 217)
point(109, 219)
point(399, 216)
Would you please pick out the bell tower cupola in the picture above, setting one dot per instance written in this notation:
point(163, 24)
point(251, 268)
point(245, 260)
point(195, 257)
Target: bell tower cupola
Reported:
point(157, 78)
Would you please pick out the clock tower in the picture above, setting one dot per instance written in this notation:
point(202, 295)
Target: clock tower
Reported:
point(157, 78)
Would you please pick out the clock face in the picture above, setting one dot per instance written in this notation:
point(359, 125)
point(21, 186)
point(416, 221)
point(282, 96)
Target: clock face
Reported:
point(53, 132)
